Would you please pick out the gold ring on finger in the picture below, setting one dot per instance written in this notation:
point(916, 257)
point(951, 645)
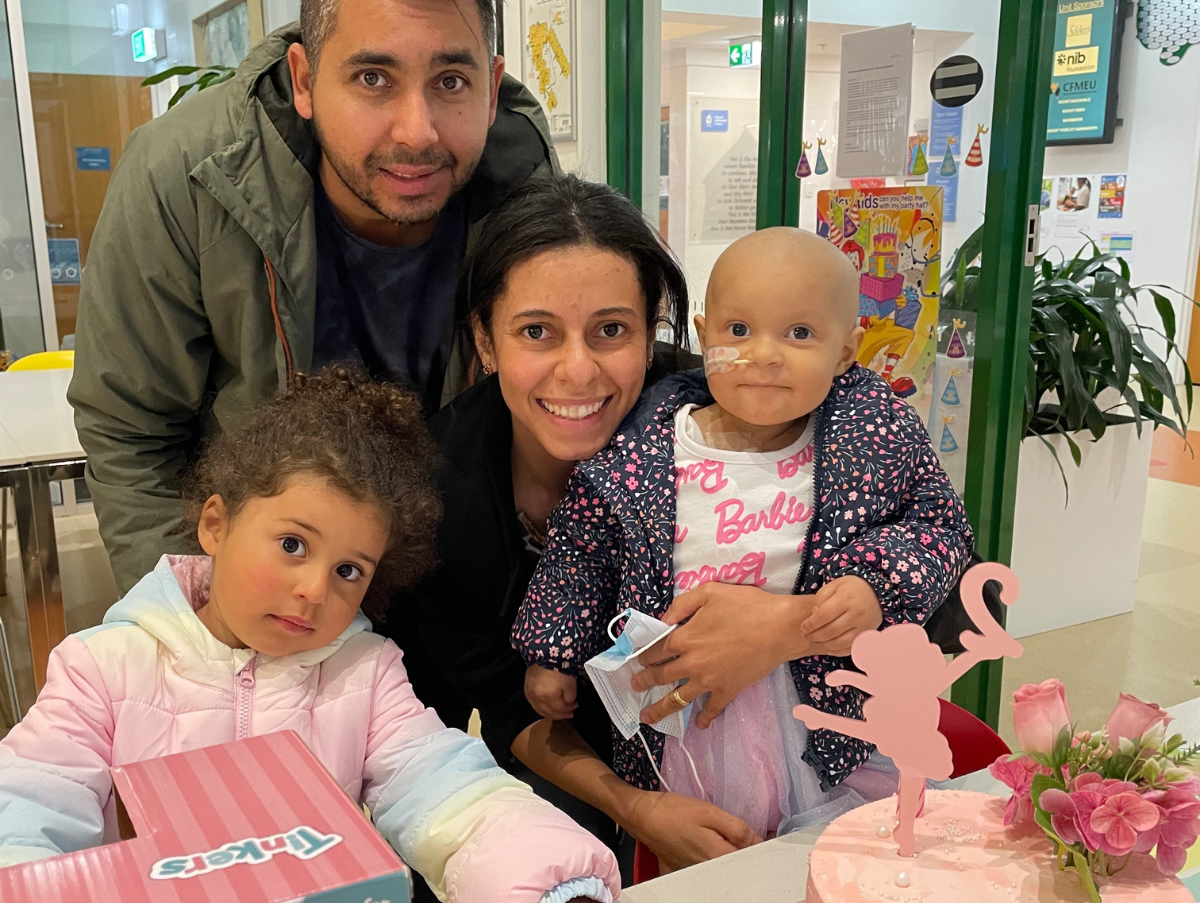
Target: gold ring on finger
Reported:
point(677, 699)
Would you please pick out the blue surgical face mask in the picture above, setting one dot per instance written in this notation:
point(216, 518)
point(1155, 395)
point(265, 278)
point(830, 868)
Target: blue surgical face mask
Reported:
point(612, 671)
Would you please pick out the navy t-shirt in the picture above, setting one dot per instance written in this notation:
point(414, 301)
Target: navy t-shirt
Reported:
point(388, 309)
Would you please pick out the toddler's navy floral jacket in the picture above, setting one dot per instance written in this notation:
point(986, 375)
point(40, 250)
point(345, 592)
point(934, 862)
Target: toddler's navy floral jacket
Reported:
point(885, 512)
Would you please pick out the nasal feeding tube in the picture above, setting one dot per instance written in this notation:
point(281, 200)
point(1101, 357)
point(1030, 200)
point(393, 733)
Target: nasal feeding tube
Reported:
point(722, 359)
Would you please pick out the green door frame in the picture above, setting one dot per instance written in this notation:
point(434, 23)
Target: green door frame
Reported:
point(781, 111)
point(1018, 146)
point(1022, 97)
point(624, 73)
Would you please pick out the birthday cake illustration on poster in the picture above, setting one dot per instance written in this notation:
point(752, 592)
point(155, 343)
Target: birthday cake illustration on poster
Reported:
point(893, 236)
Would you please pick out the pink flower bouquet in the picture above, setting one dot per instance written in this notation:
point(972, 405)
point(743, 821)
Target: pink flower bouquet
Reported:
point(1102, 797)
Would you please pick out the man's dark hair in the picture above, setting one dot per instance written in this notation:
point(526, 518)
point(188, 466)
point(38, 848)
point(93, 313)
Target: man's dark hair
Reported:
point(318, 20)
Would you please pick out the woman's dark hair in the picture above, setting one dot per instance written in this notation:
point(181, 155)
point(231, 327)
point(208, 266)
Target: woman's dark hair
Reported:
point(563, 211)
point(366, 439)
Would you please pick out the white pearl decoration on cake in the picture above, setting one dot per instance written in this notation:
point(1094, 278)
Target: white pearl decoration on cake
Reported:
point(883, 831)
point(902, 879)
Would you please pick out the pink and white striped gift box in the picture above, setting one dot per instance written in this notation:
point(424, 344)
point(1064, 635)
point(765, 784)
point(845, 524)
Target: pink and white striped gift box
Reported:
point(256, 821)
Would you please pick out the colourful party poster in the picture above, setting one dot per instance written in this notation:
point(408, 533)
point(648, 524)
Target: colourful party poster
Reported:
point(893, 236)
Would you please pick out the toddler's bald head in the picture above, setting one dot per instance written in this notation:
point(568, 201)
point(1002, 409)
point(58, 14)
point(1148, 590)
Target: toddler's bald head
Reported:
point(783, 261)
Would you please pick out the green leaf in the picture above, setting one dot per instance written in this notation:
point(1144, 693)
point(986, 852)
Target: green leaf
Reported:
point(1076, 455)
point(1041, 758)
point(1062, 746)
point(1166, 311)
point(159, 77)
point(1042, 783)
point(1066, 486)
point(178, 95)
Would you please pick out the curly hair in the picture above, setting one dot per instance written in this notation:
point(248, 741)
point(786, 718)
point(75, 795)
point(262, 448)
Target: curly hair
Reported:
point(365, 438)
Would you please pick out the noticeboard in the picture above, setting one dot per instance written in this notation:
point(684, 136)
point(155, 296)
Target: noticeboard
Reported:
point(1083, 80)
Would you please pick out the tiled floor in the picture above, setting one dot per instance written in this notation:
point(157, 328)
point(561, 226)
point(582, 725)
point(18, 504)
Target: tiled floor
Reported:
point(1153, 652)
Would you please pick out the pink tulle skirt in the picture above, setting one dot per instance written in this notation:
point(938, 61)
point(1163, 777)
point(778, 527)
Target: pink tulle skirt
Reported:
point(749, 763)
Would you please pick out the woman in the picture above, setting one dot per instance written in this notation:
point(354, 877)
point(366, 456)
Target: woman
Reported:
point(564, 294)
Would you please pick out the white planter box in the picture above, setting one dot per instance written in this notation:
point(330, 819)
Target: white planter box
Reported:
point(1079, 563)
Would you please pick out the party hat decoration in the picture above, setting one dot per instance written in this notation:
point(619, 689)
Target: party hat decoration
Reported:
point(852, 221)
point(835, 227)
point(822, 167)
point(920, 165)
point(949, 167)
point(950, 396)
point(975, 157)
point(803, 170)
point(949, 444)
point(956, 348)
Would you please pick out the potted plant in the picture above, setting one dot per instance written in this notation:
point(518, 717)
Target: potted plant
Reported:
point(1094, 381)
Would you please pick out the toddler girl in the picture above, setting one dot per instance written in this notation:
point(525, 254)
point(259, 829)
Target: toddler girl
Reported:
point(298, 510)
point(791, 469)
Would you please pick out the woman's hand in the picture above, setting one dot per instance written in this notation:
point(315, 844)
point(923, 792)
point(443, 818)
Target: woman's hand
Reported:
point(737, 635)
point(682, 831)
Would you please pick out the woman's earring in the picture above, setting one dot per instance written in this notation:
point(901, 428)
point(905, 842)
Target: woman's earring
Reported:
point(487, 371)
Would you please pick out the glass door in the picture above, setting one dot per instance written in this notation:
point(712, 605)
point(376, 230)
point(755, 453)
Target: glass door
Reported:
point(911, 136)
point(21, 324)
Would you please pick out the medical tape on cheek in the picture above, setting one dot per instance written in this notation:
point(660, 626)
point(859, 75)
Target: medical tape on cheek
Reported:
point(720, 359)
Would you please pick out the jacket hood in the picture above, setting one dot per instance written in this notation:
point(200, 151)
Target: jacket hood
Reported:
point(164, 604)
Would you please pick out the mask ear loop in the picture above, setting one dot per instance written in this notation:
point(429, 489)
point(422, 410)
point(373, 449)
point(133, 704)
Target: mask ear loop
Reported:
point(623, 614)
point(691, 762)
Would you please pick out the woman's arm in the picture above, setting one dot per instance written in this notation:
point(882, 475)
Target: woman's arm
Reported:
point(574, 590)
point(680, 830)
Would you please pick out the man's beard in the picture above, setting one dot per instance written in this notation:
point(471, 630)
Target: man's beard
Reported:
point(358, 180)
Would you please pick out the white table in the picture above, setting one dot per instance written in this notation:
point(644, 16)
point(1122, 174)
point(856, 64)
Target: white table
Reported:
point(777, 871)
point(38, 445)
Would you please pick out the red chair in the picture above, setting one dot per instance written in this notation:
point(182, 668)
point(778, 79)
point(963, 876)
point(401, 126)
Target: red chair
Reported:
point(973, 745)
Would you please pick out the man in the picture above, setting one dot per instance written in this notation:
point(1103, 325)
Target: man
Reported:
point(314, 209)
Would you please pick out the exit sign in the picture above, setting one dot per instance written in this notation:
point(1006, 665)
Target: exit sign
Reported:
point(747, 53)
point(145, 45)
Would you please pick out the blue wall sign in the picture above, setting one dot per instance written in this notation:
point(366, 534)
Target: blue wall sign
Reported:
point(714, 120)
point(1083, 81)
point(94, 158)
point(65, 268)
point(945, 122)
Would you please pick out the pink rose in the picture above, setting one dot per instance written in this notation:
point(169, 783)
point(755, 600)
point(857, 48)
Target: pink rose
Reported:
point(1132, 718)
point(1040, 712)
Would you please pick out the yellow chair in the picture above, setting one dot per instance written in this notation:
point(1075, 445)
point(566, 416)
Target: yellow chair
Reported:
point(44, 360)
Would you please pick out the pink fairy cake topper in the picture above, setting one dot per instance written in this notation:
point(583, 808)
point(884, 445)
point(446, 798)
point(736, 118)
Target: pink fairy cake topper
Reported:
point(904, 674)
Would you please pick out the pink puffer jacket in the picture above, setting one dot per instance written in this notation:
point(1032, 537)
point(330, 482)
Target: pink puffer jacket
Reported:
point(151, 680)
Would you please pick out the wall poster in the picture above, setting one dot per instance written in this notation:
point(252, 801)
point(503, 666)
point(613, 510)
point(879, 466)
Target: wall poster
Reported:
point(547, 62)
point(893, 236)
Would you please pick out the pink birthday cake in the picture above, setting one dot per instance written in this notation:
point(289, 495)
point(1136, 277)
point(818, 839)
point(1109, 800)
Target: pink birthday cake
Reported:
point(964, 854)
